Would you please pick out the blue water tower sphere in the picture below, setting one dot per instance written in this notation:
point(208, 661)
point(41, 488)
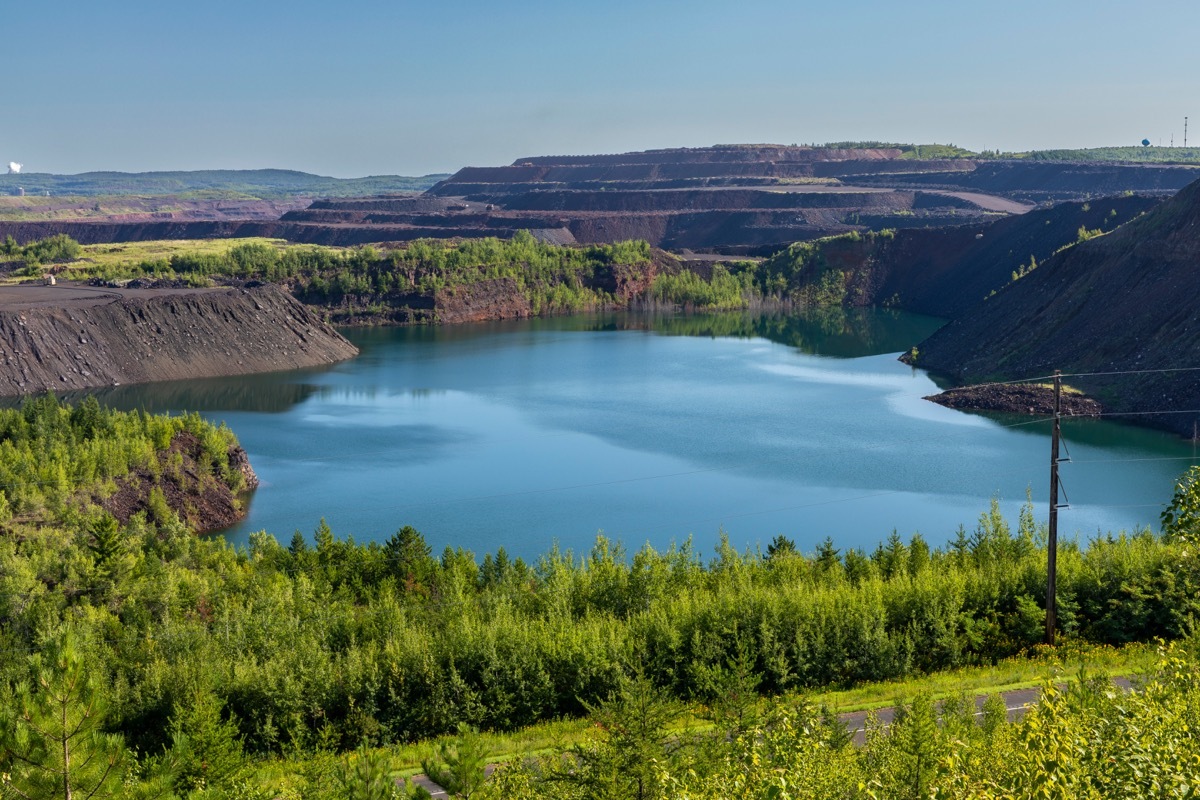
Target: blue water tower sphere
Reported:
point(1145, 142)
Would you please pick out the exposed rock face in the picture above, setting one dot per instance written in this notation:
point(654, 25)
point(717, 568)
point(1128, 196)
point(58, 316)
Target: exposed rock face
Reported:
point(188, 485)
point(239, 461)
point(69, 337)
point(485, 300)
point(1123, 303)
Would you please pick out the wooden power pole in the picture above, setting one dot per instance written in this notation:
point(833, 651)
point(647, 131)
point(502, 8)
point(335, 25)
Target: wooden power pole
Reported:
point(1052, 539)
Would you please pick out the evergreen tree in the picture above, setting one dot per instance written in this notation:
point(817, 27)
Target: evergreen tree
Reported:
point(781, 546)
point(461, 766)
point(52, 742)
point(634, 720)
point(207, 749)
point(827, 556)
point(410, 557)
point(918, 555)
point(108, 548)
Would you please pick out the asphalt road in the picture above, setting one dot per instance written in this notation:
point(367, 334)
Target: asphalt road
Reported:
point(1017, 702)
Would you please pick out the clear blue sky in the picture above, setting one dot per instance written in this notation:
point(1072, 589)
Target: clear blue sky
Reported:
point(374, 87)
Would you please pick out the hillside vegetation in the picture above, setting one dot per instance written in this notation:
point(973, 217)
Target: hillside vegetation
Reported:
point(413, 283)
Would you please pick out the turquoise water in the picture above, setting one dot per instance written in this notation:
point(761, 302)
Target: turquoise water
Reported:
point(527, 433)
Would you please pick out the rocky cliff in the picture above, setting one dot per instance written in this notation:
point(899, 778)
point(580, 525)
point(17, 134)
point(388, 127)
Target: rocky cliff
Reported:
point(1126, 303)
point(64, 337)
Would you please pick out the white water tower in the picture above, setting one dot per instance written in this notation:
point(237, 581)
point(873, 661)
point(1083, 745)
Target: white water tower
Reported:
point(14, 168)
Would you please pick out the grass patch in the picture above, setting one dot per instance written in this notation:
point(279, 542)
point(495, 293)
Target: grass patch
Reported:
point(132, 253)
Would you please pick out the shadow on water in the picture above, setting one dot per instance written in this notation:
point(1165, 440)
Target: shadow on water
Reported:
point(263, 393)
point(836, 332)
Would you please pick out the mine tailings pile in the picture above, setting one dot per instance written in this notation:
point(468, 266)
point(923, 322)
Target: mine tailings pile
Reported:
point(1127, 302)
point(64, 338)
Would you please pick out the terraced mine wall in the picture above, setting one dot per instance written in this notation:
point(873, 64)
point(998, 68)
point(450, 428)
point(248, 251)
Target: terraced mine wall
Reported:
point(1047, 182)
point(65, 338)
point(583, 176)
point(738, 153)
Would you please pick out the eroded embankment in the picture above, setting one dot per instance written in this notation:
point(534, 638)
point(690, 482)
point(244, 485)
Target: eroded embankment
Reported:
point(65, 338)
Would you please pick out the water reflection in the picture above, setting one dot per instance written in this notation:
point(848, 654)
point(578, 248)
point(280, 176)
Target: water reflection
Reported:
point(268, 394)
point(651, 427)
point(836, 332)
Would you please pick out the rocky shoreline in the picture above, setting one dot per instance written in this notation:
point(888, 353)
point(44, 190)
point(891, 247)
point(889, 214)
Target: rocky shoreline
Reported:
point(1017, 398)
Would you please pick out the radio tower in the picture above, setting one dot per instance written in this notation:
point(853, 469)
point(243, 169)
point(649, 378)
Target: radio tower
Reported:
point(1185, 131)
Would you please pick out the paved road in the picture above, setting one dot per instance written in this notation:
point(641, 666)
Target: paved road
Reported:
point(436, 791)
point(1016, 702)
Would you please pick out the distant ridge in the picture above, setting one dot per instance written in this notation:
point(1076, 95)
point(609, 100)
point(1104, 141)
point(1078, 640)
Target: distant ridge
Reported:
point(261, 183)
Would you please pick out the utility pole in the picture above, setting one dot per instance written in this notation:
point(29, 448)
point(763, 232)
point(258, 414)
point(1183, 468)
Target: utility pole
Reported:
point(1052, 539)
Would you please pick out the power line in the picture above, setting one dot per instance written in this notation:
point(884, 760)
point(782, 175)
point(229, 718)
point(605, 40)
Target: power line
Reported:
point(1130, 460)
point(1126, 505)
point(1147, 413)
point(1129, 372)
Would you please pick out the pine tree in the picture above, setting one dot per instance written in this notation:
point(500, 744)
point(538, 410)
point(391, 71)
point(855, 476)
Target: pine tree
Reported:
point(207, 748)
point(827, 556)
point(108, 549)
point(51, 738)
point(461, 768)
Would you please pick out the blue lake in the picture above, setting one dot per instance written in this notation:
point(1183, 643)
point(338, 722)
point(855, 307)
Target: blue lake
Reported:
point(653, 429)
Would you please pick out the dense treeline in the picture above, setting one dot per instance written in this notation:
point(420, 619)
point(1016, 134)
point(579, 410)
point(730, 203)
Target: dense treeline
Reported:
point(56, 249)
point(370, 283)
point(727, 288)
point(553, 279)
point(1170, 155)
point(328, 643)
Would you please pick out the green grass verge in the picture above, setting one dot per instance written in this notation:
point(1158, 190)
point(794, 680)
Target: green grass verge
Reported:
point(1065, 664)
